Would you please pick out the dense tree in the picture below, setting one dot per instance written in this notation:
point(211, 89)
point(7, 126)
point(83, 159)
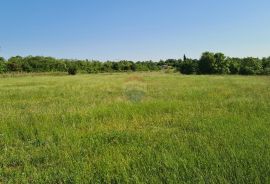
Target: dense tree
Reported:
point(14, 64)
point(171, 62)
point(2, 65)
point(221, 65)
point(209, 63)
point(234, 65)
point(2, 59)
point(266, 66)
point(188, 66)
point(251, 66)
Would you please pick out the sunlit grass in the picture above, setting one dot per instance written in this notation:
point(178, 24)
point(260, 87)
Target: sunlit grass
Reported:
point(135, 128)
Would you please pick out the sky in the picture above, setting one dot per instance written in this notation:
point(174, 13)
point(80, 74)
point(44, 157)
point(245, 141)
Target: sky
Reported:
point(134, 29)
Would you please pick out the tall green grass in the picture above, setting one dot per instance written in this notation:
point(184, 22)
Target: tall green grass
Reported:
point(135, 128)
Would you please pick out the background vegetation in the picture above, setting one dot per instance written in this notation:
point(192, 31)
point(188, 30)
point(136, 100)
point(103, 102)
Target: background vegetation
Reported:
point(135, 128)
point(209, 63)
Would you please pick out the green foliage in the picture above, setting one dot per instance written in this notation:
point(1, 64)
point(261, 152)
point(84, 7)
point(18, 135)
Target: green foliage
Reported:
point(266, 66)
point(26, 67)
point(213, 63)
point(251, 66)
point(234, 65)
point(72, 70)
point(3, 66)
point(209, 63)
point(14, 64)
point(222, 66)
point(2, 59)
point(188, 66)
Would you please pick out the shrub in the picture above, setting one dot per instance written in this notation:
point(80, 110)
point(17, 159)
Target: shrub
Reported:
point(72, 70)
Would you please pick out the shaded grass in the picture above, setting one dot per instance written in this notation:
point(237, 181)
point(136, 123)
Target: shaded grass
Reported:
point(135, 128)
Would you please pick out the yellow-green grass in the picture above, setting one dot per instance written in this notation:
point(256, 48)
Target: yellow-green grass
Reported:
point(135, 128)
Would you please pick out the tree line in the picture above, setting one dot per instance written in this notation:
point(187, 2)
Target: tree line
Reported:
point(218, 63)
point(209, 63)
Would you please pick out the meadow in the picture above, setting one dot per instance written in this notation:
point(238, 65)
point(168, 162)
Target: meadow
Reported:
point(147, 127)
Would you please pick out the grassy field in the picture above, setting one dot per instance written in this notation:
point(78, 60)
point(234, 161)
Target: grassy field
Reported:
point(135, 128)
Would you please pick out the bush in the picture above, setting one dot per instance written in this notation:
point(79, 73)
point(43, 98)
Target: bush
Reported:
point(72, 70)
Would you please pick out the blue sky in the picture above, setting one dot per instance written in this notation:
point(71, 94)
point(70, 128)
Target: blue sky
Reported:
point(134, 29)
